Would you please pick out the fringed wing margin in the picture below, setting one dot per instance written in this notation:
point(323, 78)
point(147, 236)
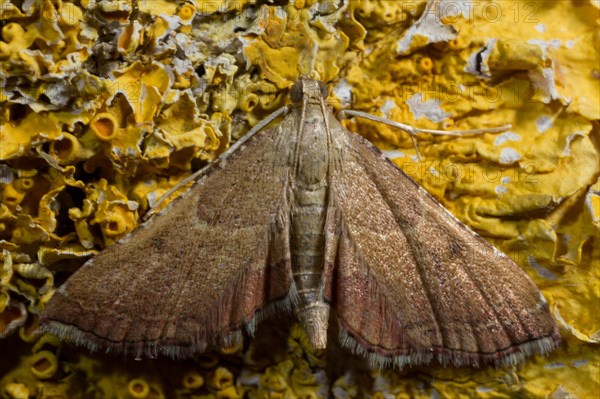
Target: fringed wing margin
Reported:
point(413, 283)
point(214, 261)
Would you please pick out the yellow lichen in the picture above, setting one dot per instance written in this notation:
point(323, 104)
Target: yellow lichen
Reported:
point(12, 197)
point(107, 207)
point(44, 365)
point(187, 12)
point(12, 316)
point(192, 380)
point(219, 379)
point(207, 361)
point(15, 390)
point(229, 393)
point(425, 65)
point(17, 137)
point(274, 380)
point(45, 341)
point(138, 388)
point(69, 150)
point(105, 105)
point(104, 126)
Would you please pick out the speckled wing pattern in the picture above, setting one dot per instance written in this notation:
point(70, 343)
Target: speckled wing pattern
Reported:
point(413, 283)
point(193, 276)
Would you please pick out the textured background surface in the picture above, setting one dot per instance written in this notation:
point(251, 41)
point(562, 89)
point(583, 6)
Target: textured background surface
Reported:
point(105, 105)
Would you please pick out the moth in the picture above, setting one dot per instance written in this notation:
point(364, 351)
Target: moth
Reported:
point(311, 219)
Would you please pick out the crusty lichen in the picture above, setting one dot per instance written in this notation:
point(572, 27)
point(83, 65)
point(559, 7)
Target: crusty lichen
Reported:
point(105, 105)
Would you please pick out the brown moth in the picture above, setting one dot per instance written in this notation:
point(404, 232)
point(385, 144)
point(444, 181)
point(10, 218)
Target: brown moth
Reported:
point(305, 218)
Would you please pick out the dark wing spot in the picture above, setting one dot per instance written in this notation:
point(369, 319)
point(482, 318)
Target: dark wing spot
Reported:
point(456, 248)
point(158, 243)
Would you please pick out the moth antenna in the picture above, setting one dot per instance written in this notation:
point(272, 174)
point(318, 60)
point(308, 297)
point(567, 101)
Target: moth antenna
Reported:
point(562, 109)
point(413, 131)
point(199, 173)
point(414, 141)
point(46, 157)
point(299, 136)
point(329, 139)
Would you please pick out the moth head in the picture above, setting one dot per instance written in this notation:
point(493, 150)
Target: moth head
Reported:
point(311, 89)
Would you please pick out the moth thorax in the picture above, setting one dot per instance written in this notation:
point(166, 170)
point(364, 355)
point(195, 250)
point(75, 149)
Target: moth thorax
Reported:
point(309, 89)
